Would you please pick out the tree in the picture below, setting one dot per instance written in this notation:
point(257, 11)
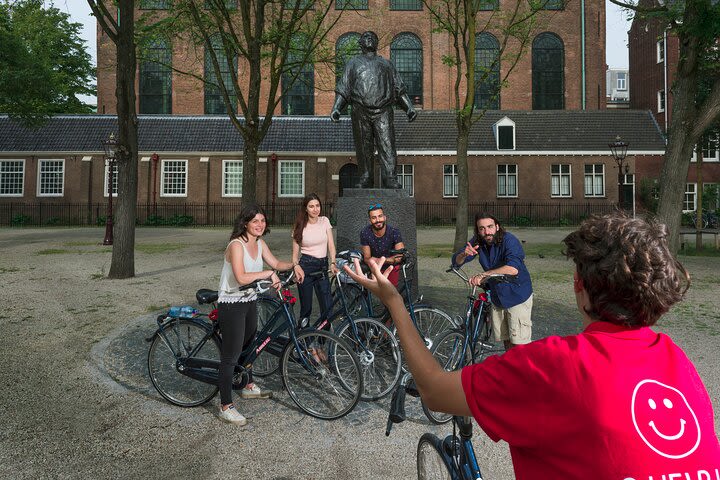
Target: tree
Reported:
point(479, 73)
point(122, 34)
point(270, 41)
point(43, 63)
point(695, 23)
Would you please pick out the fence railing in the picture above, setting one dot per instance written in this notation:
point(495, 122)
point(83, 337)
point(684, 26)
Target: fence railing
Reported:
point(525, 214)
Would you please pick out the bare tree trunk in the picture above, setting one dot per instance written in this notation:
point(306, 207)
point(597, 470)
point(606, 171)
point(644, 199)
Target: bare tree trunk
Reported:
point(462, 214)
point(123, 253)
point(699, 198)
point(250, 151)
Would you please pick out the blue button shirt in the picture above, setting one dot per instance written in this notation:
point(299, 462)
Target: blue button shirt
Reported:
point(508, 252)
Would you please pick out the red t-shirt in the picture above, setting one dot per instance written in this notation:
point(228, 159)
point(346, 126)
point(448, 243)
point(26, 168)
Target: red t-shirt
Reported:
point(611, 403)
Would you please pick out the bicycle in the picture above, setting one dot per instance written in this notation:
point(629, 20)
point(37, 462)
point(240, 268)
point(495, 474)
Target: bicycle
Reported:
point(452, 457)
point(375, 345)
point(709, 220)
point(320, 372)
point(471, 341)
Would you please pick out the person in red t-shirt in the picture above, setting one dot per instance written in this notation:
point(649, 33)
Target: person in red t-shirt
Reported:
point(616, 402)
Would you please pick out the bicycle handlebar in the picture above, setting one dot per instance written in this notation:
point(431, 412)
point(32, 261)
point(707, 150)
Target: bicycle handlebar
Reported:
point(500, 277)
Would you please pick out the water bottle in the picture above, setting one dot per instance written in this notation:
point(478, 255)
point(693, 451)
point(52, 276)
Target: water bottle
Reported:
point(187, 311)
point(174, 312)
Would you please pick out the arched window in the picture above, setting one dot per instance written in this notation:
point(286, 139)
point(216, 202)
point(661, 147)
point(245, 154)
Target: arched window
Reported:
point(548, 76)
point(214, 103)
point(346, 47)
point(156, 78)
point(487, 72)
point(406, 53)
point(298, 81)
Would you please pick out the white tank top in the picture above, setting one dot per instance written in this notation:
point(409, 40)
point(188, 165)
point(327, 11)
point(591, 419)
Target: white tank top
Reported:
point(228, 291)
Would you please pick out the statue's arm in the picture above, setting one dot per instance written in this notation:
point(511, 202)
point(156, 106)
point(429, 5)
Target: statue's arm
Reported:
point(340, 103)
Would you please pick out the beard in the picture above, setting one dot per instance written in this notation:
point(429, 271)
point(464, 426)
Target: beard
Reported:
point(377, 226)
point(489, 238)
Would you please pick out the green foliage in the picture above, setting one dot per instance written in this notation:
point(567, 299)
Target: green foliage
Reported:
point(520, 221)
point(53, 221)
point(43, 63)
point(176, 220)
point(20, 220)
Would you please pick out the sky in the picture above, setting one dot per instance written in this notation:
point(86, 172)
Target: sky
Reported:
point(616, 26)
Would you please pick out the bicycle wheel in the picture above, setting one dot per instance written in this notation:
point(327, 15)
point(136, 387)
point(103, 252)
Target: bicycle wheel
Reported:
point(321, 374)
point(267, 362)
point(431, 463)
point(448, 352)
point(166, 352)
point(379, 354)
point(431, 322)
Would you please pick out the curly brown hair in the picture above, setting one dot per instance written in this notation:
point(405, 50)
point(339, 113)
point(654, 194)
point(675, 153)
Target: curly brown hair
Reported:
point(627, 269)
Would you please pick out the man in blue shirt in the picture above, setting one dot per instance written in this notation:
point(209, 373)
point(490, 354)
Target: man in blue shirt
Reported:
point(501, 252)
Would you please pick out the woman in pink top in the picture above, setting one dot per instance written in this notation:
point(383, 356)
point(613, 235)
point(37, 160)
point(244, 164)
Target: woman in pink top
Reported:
point(312, 241)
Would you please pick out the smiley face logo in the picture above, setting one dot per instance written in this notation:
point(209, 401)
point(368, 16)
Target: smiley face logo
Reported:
point(664, 419)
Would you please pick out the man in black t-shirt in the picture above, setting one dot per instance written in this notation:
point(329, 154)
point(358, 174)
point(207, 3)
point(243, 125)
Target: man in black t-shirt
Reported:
point(378, 238)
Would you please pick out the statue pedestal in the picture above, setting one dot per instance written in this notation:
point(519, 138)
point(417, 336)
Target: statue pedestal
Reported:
point(351, 212)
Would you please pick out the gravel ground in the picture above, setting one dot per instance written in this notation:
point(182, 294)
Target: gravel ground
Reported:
point(77, 402)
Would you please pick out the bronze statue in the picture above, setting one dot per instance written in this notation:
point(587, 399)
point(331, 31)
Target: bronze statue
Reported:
point(372, 86)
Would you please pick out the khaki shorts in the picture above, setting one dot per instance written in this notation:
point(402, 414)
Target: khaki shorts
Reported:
point(513, 324)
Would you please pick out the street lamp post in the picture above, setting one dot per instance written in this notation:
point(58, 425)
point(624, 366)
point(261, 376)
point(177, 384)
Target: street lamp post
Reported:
point(110, 148)
point(618, 148)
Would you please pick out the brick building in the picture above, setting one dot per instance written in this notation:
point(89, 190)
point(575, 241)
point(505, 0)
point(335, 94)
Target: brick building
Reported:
point(654, 52)
point(567, 59)
point(547, 161)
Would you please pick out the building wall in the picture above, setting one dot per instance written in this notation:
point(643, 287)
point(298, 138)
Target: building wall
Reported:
point(647, 74)
point(438, 80)
point(84, 180)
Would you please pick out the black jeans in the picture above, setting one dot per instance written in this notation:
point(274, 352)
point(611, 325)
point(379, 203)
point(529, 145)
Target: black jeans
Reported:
point(238, 325)
point(319, 283)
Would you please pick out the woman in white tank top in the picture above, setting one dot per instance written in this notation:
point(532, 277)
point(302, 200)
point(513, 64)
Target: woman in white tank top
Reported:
point(237, 310)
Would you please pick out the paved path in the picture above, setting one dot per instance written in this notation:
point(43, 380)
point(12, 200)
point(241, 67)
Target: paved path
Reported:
point(77, 402)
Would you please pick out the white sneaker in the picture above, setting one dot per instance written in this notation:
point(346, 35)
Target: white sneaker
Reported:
point(231, 415)
point(253, 391)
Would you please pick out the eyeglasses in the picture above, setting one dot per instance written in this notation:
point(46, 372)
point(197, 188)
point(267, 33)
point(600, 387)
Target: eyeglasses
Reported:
point(375, 206)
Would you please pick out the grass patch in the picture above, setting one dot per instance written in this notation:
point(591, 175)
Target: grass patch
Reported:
point(9, 269)
point(544, 249)
point(435, 250)
point(81, 244)
point(152, 248)
point(97, 276)
point(690, 251)
point(54, 251)
point(552, 276)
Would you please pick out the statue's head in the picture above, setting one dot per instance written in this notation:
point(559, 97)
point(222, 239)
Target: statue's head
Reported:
point(368, 41)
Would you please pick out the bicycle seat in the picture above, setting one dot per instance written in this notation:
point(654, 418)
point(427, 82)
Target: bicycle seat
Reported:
point(349, 255)
point(206, 296)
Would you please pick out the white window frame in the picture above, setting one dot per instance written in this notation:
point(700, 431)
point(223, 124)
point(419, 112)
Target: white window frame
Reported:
point(594, 175)
point(621, 83)
point(225, 174)
point(115, 179)
point(21, 172)
point(405, 174)
point(660, 49)
point(504, 122)
point(281, 165)
point(507, 175)
point(560, 175)
point(40, 172)
point(690, 189)
point(453, 176)
point(164, 173)
point(661, 100)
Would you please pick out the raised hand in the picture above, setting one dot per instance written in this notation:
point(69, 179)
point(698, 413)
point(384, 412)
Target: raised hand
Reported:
point(378, 285)
point(470, 250)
